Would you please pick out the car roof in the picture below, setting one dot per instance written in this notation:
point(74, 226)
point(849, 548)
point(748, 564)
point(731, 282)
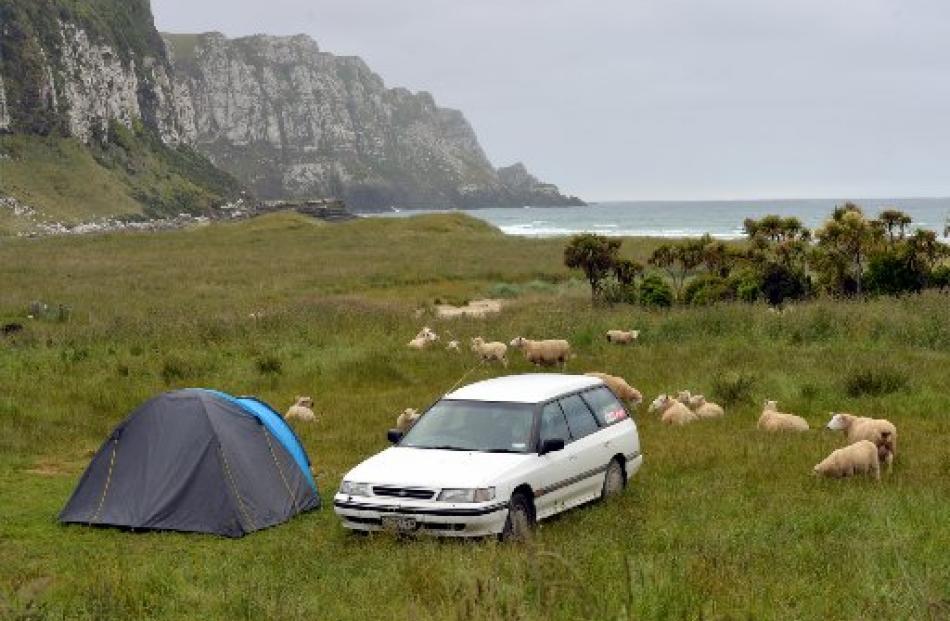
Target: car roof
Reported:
point(526, 388)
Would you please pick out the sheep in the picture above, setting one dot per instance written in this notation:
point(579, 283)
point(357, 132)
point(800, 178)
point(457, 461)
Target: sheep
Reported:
point(622, 337)
point(620, 387)
point(698, 404)
point(543, 353)
point(773, 420)
point(878, 430)
point(428, 334)
point(493, 350)
point(858, 458)
point(407, 419)
point(672, 412)
point(301, 410)
point(452, 345)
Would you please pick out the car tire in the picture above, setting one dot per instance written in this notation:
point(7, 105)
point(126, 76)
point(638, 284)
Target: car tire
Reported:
point(614, 480)
point(520, 518)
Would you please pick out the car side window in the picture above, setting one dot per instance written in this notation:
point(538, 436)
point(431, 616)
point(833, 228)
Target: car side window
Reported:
point(580, 420)
point(605, 405)
point(553, 424)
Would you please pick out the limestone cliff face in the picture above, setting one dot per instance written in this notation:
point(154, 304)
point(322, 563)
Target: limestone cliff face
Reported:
point(293, 121)
point(63, 72)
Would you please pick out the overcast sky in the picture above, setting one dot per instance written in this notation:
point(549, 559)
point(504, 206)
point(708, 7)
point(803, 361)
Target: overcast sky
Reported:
point(658, 99)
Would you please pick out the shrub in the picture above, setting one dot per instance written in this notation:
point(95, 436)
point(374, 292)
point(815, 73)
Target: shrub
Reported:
point(706, 290)
point(780, 283)
point(269, 364)
point(615, 292)
point(891, 274)
point(504, 290)
point(747, 284)
point(940, 277)
point(734, 387)
point(655, 292)
point(874, 382)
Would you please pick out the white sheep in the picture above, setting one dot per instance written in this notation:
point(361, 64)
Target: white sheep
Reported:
point(302, 410)
point(858, 458)
point(880, 431)
point(698, 404)
point(452, 345)
point(622, 337)
point(428, 334)
point(407, 419)
point(620, 387)
point(773, 420)
point(493, 350)
point(672, 412)
point(543, 353)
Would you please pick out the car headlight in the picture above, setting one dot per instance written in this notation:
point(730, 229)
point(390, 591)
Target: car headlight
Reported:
point(351, 488)
point(479, 494)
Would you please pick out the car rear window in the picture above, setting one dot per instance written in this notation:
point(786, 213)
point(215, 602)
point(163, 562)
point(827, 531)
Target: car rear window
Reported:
point(579, 417)
point(605, 405)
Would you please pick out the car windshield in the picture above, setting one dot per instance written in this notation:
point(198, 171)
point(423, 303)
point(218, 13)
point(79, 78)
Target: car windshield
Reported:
point(474, 426)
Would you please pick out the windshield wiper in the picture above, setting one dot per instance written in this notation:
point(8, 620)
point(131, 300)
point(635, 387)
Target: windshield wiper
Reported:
point(444, 447)
point(500, 450)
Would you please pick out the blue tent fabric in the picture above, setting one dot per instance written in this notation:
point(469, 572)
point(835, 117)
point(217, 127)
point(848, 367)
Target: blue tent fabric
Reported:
point(278, 428)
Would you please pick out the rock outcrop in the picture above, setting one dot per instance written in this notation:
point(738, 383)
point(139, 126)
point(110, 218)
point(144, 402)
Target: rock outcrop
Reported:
point(295, 121)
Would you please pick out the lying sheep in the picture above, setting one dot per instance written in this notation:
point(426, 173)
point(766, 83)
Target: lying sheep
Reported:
point(620, 387)
point(881, 432)
point(773, 420)
point(428, 334)
point(452, 345)
point(487, 352)
point(622, 337)
point(407, 419)
point(302, 410)
point(858, 458)
point(672, 412)
point(543, 353)
point(698, 404)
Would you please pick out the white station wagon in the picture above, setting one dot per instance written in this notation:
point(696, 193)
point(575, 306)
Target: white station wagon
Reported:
point(495, 456)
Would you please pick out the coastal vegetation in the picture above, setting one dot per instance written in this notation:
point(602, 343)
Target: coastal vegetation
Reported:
point(850, 255)
point(722, 522)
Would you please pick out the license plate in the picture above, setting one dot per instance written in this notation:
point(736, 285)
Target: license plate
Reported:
point(399, 523)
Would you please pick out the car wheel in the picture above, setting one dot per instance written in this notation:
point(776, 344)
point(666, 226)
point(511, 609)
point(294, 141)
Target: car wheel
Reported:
point(614, 480)
point(520, 519)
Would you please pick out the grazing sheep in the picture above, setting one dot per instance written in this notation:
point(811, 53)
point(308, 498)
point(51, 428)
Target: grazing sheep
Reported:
point(878, 430)
point(773, 420)
point(490, 351)
point(698, 404)
point(622, 337)
point(858, 458)
point(418, 343)
point(672, 412)
point(620, 387)
point(452, 345)
point(407, 419)
point(301, 410)
point(543, 353)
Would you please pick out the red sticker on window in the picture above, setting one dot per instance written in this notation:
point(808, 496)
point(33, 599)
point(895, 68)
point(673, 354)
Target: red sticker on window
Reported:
point(614, 416)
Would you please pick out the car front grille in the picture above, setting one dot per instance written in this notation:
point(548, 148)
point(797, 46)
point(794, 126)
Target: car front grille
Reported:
point(403, 492)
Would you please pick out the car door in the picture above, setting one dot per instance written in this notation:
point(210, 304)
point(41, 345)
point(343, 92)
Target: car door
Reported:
point(554, 468)
point(587, 456)
point(613, 417)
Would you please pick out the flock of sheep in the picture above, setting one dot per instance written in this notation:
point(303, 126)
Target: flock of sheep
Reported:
point(871, 442)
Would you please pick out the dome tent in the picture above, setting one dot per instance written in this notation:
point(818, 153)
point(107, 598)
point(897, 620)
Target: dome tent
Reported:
point(196, 460)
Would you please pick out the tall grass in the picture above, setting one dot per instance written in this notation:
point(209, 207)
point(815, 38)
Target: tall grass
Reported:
point(722, 522)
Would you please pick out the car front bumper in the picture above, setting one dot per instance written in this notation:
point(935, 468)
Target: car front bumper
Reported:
point(442, 519)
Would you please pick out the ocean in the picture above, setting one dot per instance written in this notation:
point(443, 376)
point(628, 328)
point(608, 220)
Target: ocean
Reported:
point(721, 219)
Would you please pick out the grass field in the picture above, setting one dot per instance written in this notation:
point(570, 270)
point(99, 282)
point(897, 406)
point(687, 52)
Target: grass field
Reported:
point(722, 522)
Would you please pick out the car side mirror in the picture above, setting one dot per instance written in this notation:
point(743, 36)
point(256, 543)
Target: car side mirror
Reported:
point(551, 445)
point(394, 436)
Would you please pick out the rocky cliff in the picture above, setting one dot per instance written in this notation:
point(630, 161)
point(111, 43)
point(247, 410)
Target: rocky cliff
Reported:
point(96, 72)
point(294, 121)
point(168, 124)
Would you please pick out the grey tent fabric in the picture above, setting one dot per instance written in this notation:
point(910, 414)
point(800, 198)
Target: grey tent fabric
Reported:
point(191, 460)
